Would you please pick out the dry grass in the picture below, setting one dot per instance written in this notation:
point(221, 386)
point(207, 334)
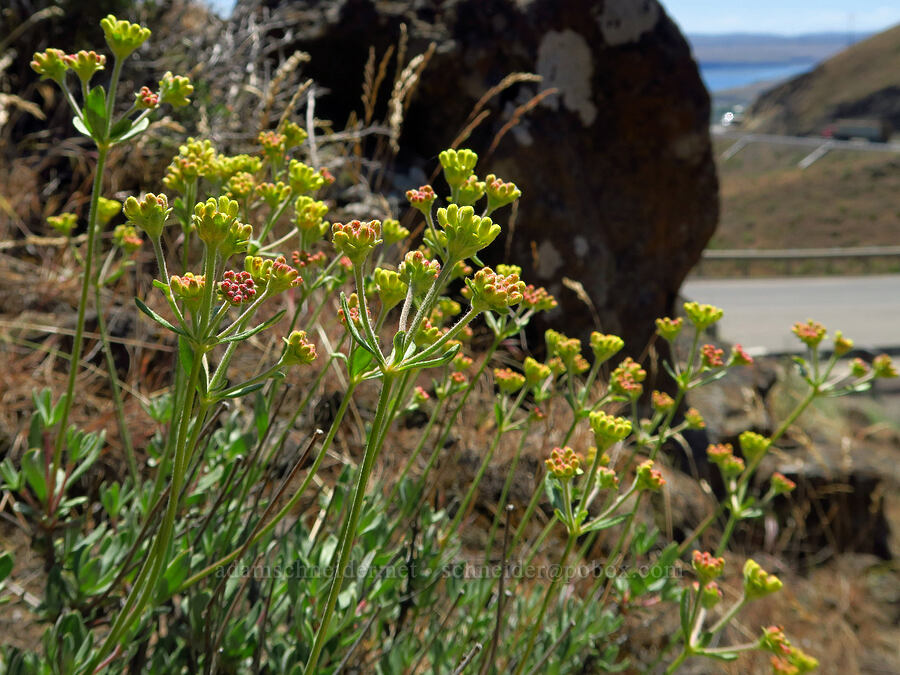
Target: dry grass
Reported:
point(844, 199)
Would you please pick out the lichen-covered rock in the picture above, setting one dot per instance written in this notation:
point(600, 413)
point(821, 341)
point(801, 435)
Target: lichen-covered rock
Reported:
point(620, 189)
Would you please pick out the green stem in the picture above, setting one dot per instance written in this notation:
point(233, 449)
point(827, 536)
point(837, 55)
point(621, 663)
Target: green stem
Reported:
point(507, 485)
point(291, 503)
point(376, 437)
point(529, 647)
point(118, 405)
point(148, 577)
point(78, 343)
point(423, 438)
point(676, 664)
point(470, 493)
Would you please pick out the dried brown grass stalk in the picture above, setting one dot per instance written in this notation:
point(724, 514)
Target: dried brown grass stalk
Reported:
point(505, 83)
point(404, 86)
point(402, 43)
point(272, 90)
point(292, 104)
point(517, 115)
point(469, 128)
point(372, 81)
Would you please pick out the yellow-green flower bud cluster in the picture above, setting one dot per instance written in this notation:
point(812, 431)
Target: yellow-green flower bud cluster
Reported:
point(608, 429)
point(500, 193)
point(123, 37)
point(753, 445)
point(149, 213)
point(458, 165)
point(419, 272)
point(63, 223)
point(107, 209)
point(508, 381)
point(50, 64)
point(273, 194)
point(390, 287)
point(563, 463)
point(702, 316)
point(298, 351)
point(175, 90)
point(757, 582)
point(303, 178)
point(308, 215)
point(464, 233)
point(470, 191)
point(393, 232)
point(188, 288)
point(85, 64)
point(356, 239)
point(126, 238)
point(649, 478)
point(605, 346)
point(494, 292)
point(669, 328)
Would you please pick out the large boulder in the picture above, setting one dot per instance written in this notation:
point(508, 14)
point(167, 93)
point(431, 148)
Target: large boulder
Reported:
point(620, 188)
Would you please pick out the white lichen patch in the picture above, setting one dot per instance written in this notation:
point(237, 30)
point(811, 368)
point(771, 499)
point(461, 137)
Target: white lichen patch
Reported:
point(624, 21)
point(564, 61)
point(548, 260)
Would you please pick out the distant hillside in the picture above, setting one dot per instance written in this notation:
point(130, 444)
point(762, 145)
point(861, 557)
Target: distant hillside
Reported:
point(862, 81)
point(747, 48)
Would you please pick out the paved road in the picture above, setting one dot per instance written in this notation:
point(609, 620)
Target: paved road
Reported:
point(759, 313)
point(807, 141)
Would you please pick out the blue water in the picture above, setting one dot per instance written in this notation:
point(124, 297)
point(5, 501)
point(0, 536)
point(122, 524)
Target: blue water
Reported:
point(720, 76)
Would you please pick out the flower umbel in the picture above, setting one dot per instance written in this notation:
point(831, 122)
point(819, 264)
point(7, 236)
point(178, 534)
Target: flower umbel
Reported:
point(493, 291)
point(123, 37)
point(563, 463)
point(356, 239)
point(757, 582)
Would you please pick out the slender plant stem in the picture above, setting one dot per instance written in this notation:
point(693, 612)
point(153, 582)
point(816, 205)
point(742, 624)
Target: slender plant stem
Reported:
point(345, 547)
point(78, 342)
point(548, 594)
point(156, 557)
point(118, 405)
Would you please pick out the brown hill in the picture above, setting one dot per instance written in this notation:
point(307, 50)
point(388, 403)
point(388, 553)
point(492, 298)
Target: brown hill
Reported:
point(861, 81)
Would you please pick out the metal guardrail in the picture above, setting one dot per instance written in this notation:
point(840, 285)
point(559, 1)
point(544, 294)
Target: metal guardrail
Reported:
point(802, 253)
point(821, 146)
point(745, 257)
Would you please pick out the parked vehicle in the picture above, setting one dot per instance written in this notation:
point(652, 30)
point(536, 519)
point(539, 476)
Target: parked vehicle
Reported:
point(872, 130)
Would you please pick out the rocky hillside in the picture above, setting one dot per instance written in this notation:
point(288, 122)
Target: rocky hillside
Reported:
point(862, 81)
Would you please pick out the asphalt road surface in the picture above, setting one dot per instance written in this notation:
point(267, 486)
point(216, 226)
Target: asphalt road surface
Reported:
point(759, 313)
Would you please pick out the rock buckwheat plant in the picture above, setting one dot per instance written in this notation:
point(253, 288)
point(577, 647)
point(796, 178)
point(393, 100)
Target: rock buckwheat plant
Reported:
point(246, 539)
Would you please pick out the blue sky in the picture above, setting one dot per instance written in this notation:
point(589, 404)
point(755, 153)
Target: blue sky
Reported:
point(788, 17)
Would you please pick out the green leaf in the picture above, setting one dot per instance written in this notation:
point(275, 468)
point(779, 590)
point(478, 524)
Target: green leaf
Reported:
point(260, 416)
point(81, 127)
point(43, 403)
point(243, 335)
point(360, 360)
point(604, 523)
point(554, 494)
point(241, 391)
point(175, 574)
point(669, 370)
point(721, 656)
point(12, 479)
point(354, 333)
point(436, 361)
point(157, 318)
point(33, 468)
point(126, 129)
point(95, 111)
point(684, 612)
point(6, 565)
point(185, 354)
